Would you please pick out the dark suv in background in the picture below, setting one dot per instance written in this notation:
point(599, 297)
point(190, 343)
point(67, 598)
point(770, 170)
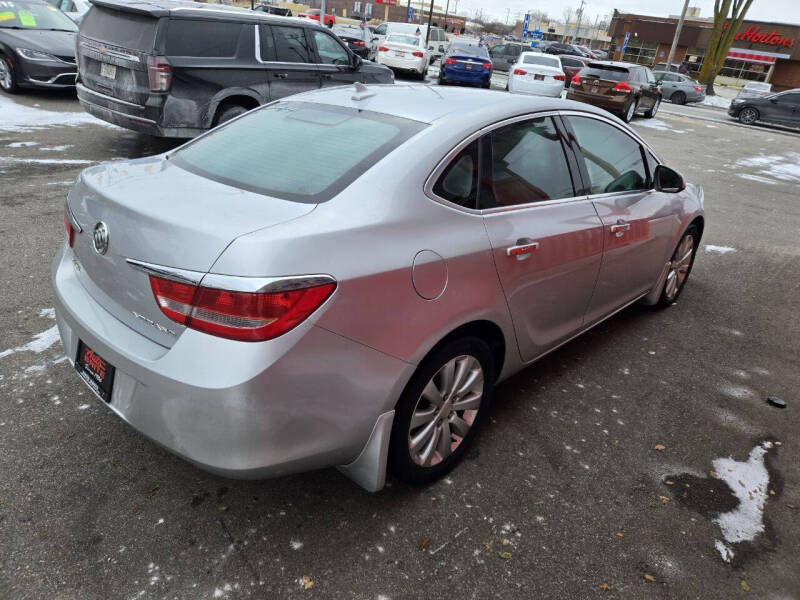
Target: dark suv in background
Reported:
point(621, 88)
point(176, 69)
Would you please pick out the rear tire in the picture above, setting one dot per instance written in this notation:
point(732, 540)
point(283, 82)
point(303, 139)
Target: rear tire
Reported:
point(630, 111)
point(680, 267)
point(229, 112)
point(8, 76)
point(678, 98)
point(460, 373)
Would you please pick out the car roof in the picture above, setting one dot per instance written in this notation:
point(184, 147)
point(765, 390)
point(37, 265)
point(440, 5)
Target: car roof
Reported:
point(460, 106)
point(185, 8)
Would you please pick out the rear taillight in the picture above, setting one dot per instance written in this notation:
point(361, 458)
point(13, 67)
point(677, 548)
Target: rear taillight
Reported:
point(417, 53)
point(357, 43)
point(243, 316)
point(383, 49)
point(449, 61)
point(697, 88)
point(559, 77)
point(70, 231)
point(519, 72)
point(160, 73)
point(576, 78)
point(622, 87)
point(487, 65)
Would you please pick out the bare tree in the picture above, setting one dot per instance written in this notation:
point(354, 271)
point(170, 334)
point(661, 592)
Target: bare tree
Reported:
point(728, 17)
point(567, 15)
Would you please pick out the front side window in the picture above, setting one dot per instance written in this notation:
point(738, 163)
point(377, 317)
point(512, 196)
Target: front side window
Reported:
point(459, 181)
point(291, 45)
point(789, 98)
point(268, 151)
point(329, 50)
point(613, 158)
point(526, 164)
point(380, 29)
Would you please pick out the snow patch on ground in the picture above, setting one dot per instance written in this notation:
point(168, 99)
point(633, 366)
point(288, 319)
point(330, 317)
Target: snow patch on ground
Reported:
point(296, 544)
point(22, 144)
point(757, 178)
point(56, 148)
point(45, 161)
point(749, 481)
point(19, 118)
point(657, 124)
point(717, 102)
point(783, 167)
point(40, 342)
point(719, 249)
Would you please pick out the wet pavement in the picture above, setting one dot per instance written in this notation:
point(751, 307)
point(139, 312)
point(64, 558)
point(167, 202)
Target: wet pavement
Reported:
point(632, 463)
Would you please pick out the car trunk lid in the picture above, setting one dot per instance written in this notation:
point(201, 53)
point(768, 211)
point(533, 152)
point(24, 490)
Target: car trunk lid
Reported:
point(159, 214)
point(600, 80)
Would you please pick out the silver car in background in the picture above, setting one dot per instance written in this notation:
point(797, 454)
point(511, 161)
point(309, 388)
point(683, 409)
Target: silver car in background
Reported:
point(356, 308)
point(754, 89)
point(679, 88)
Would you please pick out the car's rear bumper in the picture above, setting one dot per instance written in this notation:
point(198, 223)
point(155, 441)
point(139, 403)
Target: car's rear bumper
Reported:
point(138, 117)
point(476, 76)
point(401, 63)
point(616, 104)
point(518, 85)
point(306, 400)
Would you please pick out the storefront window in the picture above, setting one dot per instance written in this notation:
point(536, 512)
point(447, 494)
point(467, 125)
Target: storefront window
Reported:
point(640, 52)
point(737, 69)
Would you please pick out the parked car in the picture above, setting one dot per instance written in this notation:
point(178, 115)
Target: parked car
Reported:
point(621, 88)
point(538, 74)
point(676, 67)
point(405, 52)
point(152, 67)
point(436, 41)
point(755, 89)
point(779, 109)
point(588, 52)
point(571, 65)
point(314, 13)
point(220, 300)
point(360, 41)
point(559, 48)
point(505, 55)
point(275, 10)
point(466, 62)
point(37, 47)
point(600, 54)
point(74, 9)
point(678, 88)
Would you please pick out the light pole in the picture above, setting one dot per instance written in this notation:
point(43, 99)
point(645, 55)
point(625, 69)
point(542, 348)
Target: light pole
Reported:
point(578, 25)
point(677, 35)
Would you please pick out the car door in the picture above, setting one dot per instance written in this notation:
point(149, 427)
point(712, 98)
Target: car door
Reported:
point(782, 108)
point(289, 60)
point(648, 88)
point(639, 223)
point(669, 83)
point(335, 63)
point(546, 238)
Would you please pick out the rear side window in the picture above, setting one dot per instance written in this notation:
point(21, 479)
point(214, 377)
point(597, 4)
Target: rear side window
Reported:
point(613, 158)
point(269, 151)
point(611, 74)
point(291, 45)
point(527, 165)
point(210, 39)
point(125, 29)
point(459, 181)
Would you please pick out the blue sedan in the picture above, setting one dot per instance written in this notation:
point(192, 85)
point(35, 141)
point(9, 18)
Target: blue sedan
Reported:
point(466, 63)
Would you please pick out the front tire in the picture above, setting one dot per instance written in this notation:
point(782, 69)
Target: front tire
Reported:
point(680, 266)
point(652, 112)
point(440, 410)
point(8, 78)
point(748, 116)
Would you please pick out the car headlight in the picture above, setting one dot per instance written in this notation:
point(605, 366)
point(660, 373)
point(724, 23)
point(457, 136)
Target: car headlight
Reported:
point(29, 54)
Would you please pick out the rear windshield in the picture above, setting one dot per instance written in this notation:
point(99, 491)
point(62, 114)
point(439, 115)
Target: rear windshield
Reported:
point(469, 49)
point(33, 15)
point(399, 38)
point(545, 61)
point(612, 73)
point(297, 151)
point(125, 29)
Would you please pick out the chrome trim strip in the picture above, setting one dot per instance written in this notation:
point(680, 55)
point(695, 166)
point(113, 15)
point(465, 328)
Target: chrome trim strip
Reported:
point(178, 275)
point(83, 88)
point(109, 52)
point(264, 284)
point(71, 217)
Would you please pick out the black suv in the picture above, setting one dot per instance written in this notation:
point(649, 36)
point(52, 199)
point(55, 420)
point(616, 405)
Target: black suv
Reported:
point(559, 48)
point(176, 69)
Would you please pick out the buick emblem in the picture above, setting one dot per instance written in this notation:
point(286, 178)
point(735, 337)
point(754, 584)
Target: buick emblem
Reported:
point(100, 238)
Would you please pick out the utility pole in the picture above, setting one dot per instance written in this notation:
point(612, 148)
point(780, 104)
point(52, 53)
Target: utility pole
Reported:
point(322, 13)
point(508, 11)
point(594, 35)
point(677, 35)
point(446, 10)
point(428, 30)
point(408, 11)
point(578, 25)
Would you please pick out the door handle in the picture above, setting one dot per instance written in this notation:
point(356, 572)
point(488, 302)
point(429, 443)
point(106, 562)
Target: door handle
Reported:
point(327, 76)
point(521, 250)
point(281, 75)
point(620, 228)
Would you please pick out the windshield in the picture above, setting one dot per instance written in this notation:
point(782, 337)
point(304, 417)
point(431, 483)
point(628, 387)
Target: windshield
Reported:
point(540, 59)
point(300, 151)
point(33, 15)
point(399, 38)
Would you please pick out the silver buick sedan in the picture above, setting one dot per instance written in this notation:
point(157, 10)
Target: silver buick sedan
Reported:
point(341, 277)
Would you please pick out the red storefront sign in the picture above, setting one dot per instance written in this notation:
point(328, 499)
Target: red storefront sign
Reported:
point(392, 2)
point(754, 34)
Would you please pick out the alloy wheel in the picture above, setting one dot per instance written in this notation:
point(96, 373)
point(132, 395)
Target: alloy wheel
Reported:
point(631, 111)
point(748, 116)
point(6, 80)
point(679, 267)
point(445, 411)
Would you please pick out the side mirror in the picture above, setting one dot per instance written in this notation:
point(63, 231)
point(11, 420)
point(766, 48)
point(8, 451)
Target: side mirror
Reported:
point(668, 180)
point(357, 61)
point(773, 100)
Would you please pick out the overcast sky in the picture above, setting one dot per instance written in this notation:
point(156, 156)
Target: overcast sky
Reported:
point(781, 11)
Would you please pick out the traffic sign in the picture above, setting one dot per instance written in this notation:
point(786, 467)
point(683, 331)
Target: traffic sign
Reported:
point(525, 24)
point(625, 42)
point(410, 16)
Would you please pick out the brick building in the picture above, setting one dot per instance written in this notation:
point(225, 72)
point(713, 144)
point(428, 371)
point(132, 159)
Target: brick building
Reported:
point(760, 52)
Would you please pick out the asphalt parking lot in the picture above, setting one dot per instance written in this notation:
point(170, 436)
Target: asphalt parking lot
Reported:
point(600, 474)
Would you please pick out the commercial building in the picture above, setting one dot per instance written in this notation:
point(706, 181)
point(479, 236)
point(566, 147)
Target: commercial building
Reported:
point(585, 34)
point(392, 10)
point(760, 52)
